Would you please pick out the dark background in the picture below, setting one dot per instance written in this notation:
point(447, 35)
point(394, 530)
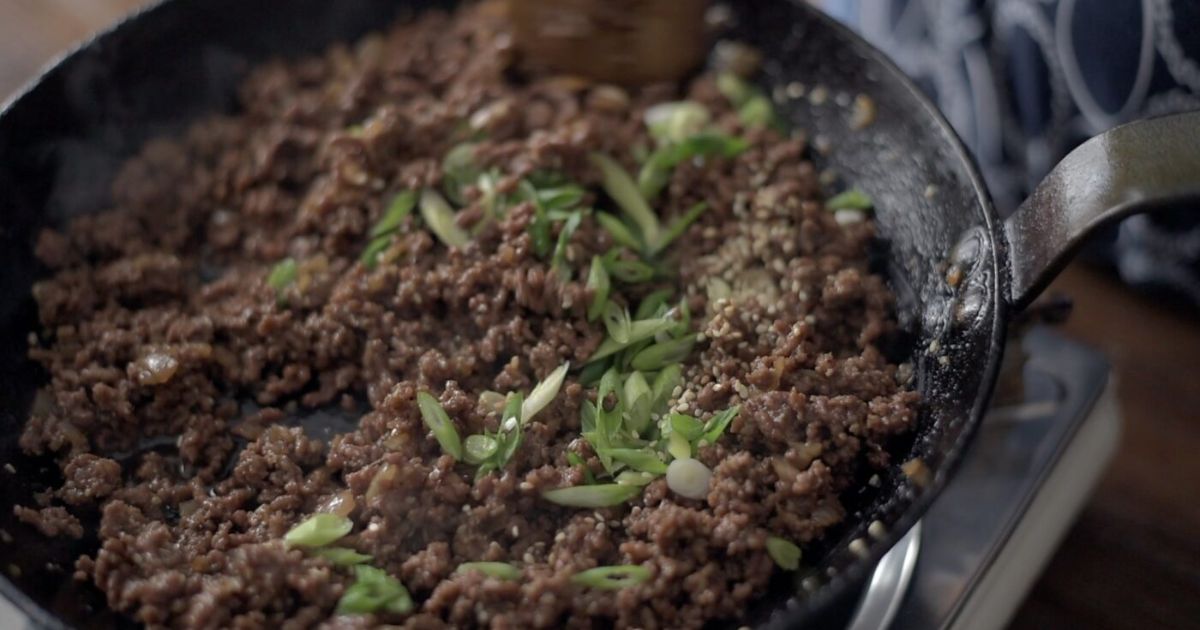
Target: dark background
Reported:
point(1131, 561)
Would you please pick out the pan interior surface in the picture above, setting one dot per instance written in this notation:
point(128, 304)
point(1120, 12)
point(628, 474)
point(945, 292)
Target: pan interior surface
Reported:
point(61, 142)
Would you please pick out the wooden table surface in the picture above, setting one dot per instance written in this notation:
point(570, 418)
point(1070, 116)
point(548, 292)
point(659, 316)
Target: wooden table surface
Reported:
point(1133, 558)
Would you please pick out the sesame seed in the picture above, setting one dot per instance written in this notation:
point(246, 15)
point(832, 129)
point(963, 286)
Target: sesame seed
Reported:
point(516, 531)
point(859, 548)
point(876, 530)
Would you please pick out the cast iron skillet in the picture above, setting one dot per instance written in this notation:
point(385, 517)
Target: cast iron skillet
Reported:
point(61, 140)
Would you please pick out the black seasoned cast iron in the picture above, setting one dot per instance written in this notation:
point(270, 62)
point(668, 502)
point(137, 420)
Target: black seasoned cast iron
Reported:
point(62, 139)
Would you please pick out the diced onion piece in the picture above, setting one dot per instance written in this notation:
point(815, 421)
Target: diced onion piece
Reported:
point(689, 478)
point(544, 392)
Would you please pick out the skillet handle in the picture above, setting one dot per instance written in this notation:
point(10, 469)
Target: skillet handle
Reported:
point(1133, 168)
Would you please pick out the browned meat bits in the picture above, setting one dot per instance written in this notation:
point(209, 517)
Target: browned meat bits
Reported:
point(241, 341)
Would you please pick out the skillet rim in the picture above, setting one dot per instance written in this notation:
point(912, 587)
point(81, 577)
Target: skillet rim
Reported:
point(832, 589)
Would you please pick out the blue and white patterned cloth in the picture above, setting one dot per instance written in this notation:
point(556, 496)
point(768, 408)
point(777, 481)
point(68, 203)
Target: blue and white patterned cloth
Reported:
point(1025, 81)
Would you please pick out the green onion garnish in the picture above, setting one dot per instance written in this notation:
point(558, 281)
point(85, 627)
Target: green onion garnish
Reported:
point(678, 446)
point(558, 261)
point(784, 552)
point(664, 383)
point(734, 88)
point(673, 122)
point(757, 112)
point(621, 187)
point(653, 305)
point(638, 401)
point(600, 285)
point(510, 433)
point(373, 591)
point(663, 354)
point(614, 577)
point(543, 393)
point(621, 234)
point(343, 556)
point(680, 225)
point(439, 216)
point(642, 460)
point(629, 271)
point(715, 427)
point(318, 530)
point(539, 227)
point(617, 322)
point(479, 448)
point(282, 275)
point(439, 423)
point(498, 570)
point(635, 478)
point(686, 426)
point(560, 197)
point(853, 199)
point(656, 172)
point(638, 330)
point(370, 255)
point(459, 171)
point(400, 207)
point(594, 496)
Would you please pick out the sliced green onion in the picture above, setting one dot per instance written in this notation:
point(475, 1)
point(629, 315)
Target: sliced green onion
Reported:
point(624, 191)
point(784, 552)
point(373, 591)
point(663, 354)
point(591, 373)
point(439, 216)
point(684, 314)
point(629, 271)
point(539, 228)
point(574, 459)
point(510, 429)
point(558, 261)
point(639, 330)
point(684, 425)
point(635, 478)
point(479, 448)
point(673, 122)
point(439, 423)
point(599, 283)
point(757, 112)
point(656, 172)
point(400, 207)
point(343, 556)
point(595, 496)
point(679, 226)
point(282, 275)
point(617, 322)
point(638, 402)
point(664, 384)
point(560, 197)
point(734, 88)
point(621, 234)
point(498, 570)
point(678, 446)
point(318, 530)
point(544, 392)
point(459, 171)
point(614, 577)
point(650, 305)
point(370, 255)
point(489, 197)
point(853, 199)
point(715, 427)
point(642, 460)
point(587, 417)
point(608, 421)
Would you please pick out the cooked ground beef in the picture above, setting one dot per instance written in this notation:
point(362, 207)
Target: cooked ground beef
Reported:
point(194, 404)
